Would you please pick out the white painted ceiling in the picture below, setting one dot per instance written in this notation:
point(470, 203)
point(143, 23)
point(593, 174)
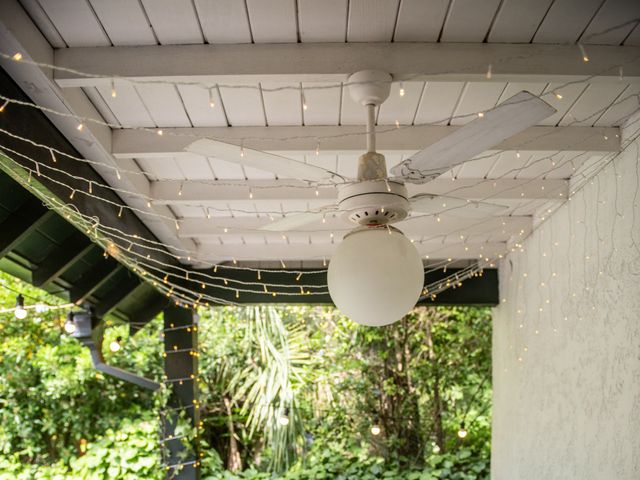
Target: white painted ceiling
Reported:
point(224, 228)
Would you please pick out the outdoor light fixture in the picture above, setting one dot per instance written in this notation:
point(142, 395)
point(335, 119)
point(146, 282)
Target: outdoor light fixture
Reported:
point(375, 276)
point(284, 418)
point(20, 311)
point(375, 430)
point(462, 433)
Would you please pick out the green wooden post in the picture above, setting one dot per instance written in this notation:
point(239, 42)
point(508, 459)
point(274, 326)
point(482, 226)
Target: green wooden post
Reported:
point(181, 370)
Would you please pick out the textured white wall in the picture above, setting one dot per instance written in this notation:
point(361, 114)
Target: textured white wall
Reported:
point(566, 341)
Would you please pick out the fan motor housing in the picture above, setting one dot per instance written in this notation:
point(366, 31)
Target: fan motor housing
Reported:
point(374, 202)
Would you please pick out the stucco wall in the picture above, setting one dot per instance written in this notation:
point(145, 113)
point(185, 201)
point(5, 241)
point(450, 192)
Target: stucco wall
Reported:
point(566, 341)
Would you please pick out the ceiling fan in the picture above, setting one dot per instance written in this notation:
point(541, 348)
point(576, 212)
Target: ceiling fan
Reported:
point(376, 274)
point(374, 198)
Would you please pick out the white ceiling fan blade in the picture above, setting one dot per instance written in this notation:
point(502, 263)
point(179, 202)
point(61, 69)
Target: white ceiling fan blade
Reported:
point(516, 114)
point(281, 166)
point(438, 204)
point(297, 220)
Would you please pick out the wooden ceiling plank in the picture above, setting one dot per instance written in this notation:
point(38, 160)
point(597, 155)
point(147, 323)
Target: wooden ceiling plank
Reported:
point(420, 20)
point(324, 21)
point(21, 224)
point(224, 21)
point(124, 21)
point(372, 20)
point(469, 20)
point(612, 13)
point(76, 22)
point(518, 20)
point(566, 20)
point(93, 279)
point(173, 21)
point(62, 259)
point(273, 21)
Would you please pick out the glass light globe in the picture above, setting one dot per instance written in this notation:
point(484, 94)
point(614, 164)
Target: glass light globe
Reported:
point(376, 276)
point(375, 430)
point(283, 420)
point(69, 327)
point(114, 346)
point(20, 313)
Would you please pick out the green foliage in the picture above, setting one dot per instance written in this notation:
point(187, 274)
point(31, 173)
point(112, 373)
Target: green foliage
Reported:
point(417, 379)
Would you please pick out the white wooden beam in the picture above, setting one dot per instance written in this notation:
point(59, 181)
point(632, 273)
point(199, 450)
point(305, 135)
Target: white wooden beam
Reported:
point(130, 143)
point(232, 64)
point(215, 252)
point(415, 227)
point(203, 193)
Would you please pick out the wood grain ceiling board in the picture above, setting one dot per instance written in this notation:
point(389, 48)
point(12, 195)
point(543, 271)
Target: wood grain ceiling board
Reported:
point(124, 21)
point(401, 109)
point(43, 22)
point(476, 97)
point(243, 105)
point(282, 107)
point(194, 167)
point(164, 168)
point(569, 93)
point(173, 21)
point(76, 23)
point(566, 20)
point(127, 105)
point(224, 21)
point(223, 170)
point(102, 106)
point(324, 21)
point(518, 20)
point(372, 20)
point(323, 104)
point(196, 102)
point(439, 99)
point(588, 108)
point(164, 104)
point(273, 21)
point(514, 88)
point(634, 37)
point(469, 20)
point(625, 105)
point(420, 20)
point(611, 14)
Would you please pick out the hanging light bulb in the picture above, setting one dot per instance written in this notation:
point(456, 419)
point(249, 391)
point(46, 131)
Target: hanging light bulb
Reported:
point(114, 346)
point(212, 102)
point(114, 94)
point(20, 311)
point(284, 418)
point(462, 432)
point(69, 326)
point(401, 91)
point(375, 428)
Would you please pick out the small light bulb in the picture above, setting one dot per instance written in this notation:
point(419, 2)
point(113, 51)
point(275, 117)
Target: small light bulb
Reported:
point(4, 105)
point(212, 102)
point(114, 346)
point(20, 313)
point(462, 432)
point(375, 430)
point(17, 57)
point(160, 132)
point(558, 96)
point(114, 94)
point(401, 91)
point(585, 57)
point(80, 127)
point(480, 114)
point(69, 327)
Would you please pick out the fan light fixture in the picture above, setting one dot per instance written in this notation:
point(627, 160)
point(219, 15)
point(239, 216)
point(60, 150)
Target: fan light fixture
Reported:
point(375, 276)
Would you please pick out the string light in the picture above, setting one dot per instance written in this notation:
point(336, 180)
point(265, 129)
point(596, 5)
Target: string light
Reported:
point(69, 326)
point(401, 91)
point(114, 346)
point(3, 106)
point(160, 132)
point(17, 56)
point(375, 429)
point(20, 312)
point(80, 127)
point(558, 95)
point(114, 94)
point(480, 114)
point(462, 431)
point(585, 57)
point(212, 102)
point(489, 72)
